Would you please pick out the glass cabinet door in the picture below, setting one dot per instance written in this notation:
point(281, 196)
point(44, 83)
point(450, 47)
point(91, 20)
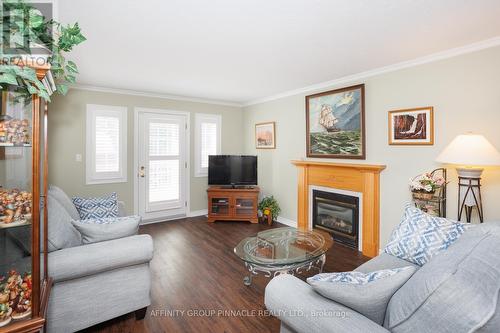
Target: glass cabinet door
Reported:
point(42, 190)
point(16, 208)
point(244, 206)
point(220, 206)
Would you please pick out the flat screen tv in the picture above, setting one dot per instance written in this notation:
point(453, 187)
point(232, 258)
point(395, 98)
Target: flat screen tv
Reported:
point(233, 170)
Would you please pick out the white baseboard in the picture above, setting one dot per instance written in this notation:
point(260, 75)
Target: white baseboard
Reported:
point(288, 222)
point(163, 219)
point(195, 213)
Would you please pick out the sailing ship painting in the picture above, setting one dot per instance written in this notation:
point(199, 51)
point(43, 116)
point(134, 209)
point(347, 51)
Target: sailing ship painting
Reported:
point(335, 125)
point(327, 119)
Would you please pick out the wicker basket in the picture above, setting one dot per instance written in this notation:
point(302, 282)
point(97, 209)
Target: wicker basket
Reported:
point(422, 195)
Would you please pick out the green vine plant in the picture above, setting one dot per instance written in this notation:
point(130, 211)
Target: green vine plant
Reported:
point(269, 202)
point(24, 28)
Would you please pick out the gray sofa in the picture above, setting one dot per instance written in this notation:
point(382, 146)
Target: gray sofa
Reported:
point(457, 291)
point(93, 282)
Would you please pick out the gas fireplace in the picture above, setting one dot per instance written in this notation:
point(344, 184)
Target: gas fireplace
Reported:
point(338, 214)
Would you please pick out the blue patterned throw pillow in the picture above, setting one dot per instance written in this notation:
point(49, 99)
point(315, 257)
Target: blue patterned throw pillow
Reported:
point(96, 208)
point(420, 236)
point(357, 278)
point(110, 220)
point(367, 293)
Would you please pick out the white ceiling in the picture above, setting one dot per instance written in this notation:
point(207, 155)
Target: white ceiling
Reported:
point(244, 50)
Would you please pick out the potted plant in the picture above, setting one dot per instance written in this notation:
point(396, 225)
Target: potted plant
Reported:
point(269, 203)
point(424, 186)
point(25, 27)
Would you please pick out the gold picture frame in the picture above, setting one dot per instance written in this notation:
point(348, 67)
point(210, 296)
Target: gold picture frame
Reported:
point(411, 127)
point(265, 135)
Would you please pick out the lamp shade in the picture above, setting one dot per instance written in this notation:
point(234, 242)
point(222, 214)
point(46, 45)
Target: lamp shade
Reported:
point(470, 150)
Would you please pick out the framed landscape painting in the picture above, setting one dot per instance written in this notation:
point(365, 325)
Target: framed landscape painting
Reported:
point(412, 126)
point(265, 136)
point(335, 123)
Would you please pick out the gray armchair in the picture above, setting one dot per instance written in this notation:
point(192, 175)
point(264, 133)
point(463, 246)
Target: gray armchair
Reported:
point(93, 282)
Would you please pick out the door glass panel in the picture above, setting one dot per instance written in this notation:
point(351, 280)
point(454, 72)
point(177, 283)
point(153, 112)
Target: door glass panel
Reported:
point(163, 139)
point(163, 180)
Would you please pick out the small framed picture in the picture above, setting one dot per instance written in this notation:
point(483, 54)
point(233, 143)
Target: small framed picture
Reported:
point(412, 126)
point(265, 136)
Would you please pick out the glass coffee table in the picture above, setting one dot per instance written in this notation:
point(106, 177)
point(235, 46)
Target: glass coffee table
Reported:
point(283, 251)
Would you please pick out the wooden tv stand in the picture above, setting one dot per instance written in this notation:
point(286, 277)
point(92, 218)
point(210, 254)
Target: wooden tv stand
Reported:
point(233, 204)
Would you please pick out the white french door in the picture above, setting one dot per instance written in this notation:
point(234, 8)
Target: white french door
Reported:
point(161, 164)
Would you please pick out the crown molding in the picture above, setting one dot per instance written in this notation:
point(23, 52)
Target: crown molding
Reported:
point(489, 43)
point(485, 44)
point(152, 95)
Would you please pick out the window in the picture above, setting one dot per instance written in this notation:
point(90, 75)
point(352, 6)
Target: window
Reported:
point(106, 151)
point(207, 138)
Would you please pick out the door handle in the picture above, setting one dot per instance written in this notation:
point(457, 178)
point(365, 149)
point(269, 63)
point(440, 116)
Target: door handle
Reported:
point(142, 174)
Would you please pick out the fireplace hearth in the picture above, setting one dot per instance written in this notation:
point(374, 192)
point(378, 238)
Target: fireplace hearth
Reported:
point(337, 214)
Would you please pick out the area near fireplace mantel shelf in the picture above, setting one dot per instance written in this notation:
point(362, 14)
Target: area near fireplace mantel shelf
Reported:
point(362, 178)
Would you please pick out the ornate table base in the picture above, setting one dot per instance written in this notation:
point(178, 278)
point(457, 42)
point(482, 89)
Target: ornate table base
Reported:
point(274, 270)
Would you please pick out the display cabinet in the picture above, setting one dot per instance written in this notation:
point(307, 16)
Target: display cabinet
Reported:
point(24, 281)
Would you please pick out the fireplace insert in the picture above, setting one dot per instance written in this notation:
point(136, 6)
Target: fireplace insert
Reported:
point(338, 214)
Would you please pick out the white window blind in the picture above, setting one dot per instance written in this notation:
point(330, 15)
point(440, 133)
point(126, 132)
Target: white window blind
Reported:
point(107, 144)
point(163, 139)
point(106, 151)
point(207, 141)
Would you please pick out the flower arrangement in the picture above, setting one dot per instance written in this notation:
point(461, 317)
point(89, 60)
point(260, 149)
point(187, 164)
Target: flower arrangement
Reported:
point(269, 205)
point(425, 185)
point(426, 182)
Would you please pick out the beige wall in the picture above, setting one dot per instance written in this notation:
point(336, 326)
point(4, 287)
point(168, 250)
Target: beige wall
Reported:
point(465, 93)
point(67, 138)
point(463, 90)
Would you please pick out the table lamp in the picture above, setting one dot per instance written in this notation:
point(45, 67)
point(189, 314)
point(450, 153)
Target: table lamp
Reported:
point(470, 152)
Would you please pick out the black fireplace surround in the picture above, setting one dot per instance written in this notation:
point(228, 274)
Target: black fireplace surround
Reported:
point(338, 214)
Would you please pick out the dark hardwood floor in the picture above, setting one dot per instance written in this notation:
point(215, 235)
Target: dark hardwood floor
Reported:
point(194, 271)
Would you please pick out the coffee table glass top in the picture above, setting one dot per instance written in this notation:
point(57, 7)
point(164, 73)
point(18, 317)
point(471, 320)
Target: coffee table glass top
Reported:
point(283, 246)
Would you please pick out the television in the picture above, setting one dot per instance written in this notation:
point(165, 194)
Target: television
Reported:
point(232, 170)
